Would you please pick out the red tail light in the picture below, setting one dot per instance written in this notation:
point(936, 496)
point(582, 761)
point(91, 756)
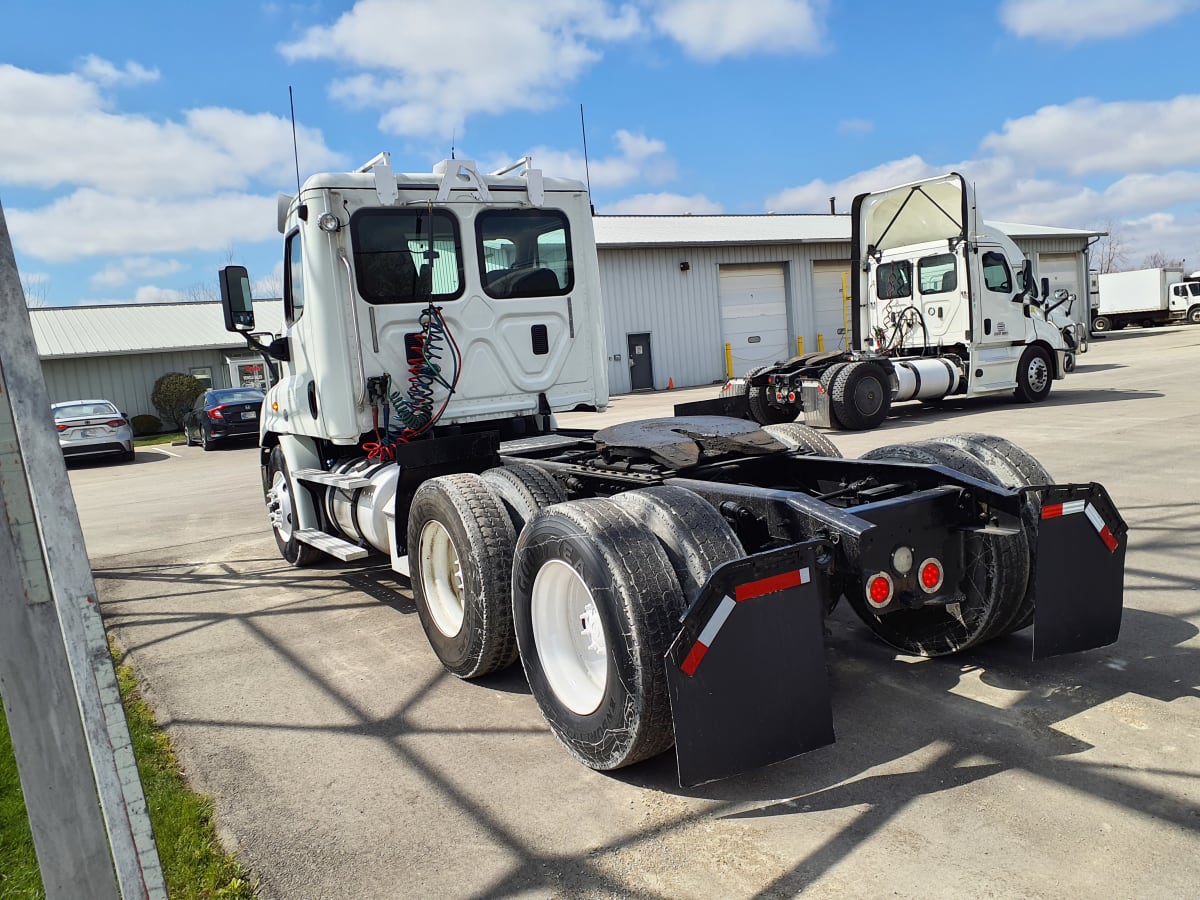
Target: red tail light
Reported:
point(61, 427)
point(215, 413)
point(115, 423)
point(879, 590)
point(932, 576)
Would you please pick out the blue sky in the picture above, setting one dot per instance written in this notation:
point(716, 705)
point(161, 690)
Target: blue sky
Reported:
point(142, 149)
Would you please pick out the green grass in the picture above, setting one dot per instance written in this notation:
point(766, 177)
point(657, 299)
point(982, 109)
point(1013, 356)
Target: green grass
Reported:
point(194, 864)
point(152, 439)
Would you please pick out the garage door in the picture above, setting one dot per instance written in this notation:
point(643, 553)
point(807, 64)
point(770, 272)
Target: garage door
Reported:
point(754, 315)
point(831, 312)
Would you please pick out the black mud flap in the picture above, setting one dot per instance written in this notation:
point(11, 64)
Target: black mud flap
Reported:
point(1079, 571)
point(747, 671)
point(735, 407)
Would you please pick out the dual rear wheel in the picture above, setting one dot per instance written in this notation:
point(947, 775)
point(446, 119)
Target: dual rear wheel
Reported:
point(589, 591)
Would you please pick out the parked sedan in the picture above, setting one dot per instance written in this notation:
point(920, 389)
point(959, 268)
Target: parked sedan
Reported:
point(222, 413)
point(93, 428)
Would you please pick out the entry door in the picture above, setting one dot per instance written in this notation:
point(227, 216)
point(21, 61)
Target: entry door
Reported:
point(641, 368)
point(831, 307)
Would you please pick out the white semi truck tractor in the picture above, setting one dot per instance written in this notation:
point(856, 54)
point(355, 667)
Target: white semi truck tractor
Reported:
point(662, 582)
point(942, 304)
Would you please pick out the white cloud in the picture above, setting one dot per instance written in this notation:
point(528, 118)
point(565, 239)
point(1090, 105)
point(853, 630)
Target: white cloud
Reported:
point(121, 272)
point(103, 72)
point(638, 159)
point(1087, 136)
point(663, 204)
point(91, 223)
point(210, 150)
point(428, 69)
point(1072, 21)
point(855, 126)
point(813, 197)
point(149, 293)
point(710, 30)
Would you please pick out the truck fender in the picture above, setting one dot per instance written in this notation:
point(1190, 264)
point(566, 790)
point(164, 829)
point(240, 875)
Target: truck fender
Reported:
point(300, 453)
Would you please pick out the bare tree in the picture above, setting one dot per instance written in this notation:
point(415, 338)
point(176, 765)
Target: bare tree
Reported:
point(1109, 253)
point(1159, 260)
point(201, 292)
point(36, 290)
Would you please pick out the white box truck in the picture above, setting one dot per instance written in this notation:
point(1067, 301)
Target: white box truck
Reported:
point(1146, 297)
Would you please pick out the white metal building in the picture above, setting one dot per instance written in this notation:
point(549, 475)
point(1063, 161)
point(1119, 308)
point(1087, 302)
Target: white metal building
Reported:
point(117, 352)
point(677, 289)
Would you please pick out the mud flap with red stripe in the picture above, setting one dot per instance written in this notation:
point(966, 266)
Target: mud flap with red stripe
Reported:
point(1079, 571)
point(747, 672)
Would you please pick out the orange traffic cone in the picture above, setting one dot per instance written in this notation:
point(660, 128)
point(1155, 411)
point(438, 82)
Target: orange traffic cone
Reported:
point(670, 384)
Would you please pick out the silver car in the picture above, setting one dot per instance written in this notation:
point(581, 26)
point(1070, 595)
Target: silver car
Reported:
point(93, 428)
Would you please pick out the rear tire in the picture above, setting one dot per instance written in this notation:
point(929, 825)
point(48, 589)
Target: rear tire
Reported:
point(1035, 374)
point(460, 543)
point(695, 537)
point(796, 435)
point(761, 410)
point(523, 488)
point(280, 493)
point(993, 583)
point(861, 397)
point(827, 378)
point(1012, 467)
point(596, 605)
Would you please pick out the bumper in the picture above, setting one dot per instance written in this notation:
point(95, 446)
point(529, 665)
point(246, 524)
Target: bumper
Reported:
point(100, 448)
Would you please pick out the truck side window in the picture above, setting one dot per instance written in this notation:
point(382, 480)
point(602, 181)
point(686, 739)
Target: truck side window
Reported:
point(995, 272)
point(893, 280)
point(937, 274)
point(293, 280)
point(524, 253)
point(406, 255)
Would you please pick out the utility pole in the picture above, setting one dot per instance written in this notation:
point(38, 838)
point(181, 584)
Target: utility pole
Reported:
point(87, 812)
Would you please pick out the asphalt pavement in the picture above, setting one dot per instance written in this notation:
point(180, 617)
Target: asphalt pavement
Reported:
point(346, 763)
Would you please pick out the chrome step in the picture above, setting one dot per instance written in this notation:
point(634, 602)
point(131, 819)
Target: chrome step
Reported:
point(332, 479)
point(334, 546)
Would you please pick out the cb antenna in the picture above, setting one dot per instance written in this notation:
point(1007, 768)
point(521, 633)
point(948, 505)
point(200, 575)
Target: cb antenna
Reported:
point(295, 145)
point(587, 173)
point(452, 136)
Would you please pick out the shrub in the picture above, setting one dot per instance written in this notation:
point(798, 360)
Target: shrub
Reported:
point(173, 394)
point(144, 425)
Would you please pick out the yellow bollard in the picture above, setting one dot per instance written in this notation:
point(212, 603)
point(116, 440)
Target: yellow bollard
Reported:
point(728, 361)
point(800, 345)
point(820, 343)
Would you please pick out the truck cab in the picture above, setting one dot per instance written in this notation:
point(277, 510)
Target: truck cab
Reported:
point(462, 297)
point(935, 281)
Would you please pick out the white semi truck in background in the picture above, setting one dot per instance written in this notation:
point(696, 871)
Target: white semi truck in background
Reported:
point(662, 582)
point(942, 304)
point(1146, 297)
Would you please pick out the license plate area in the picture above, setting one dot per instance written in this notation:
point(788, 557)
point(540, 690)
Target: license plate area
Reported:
point(252, 414)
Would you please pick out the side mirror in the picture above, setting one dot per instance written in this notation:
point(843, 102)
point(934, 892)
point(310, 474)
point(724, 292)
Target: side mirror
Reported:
point(1045, 287)
point(235, 299)
point(279, 349)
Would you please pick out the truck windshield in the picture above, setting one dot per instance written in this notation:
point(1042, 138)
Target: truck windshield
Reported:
point(525, 253)
point(406, 255)
point(937, 274)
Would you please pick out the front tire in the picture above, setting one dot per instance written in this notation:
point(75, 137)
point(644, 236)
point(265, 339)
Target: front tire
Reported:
point(596, 604)
point(460, 549)
point(280, 494)
point(1101, 324)
point(1193, 315)
point(1035, 374)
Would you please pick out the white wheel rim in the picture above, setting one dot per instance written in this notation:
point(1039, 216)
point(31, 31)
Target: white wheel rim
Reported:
point(569, 637)
point(279, 507)
point(442, 579)
point(1039, 374)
